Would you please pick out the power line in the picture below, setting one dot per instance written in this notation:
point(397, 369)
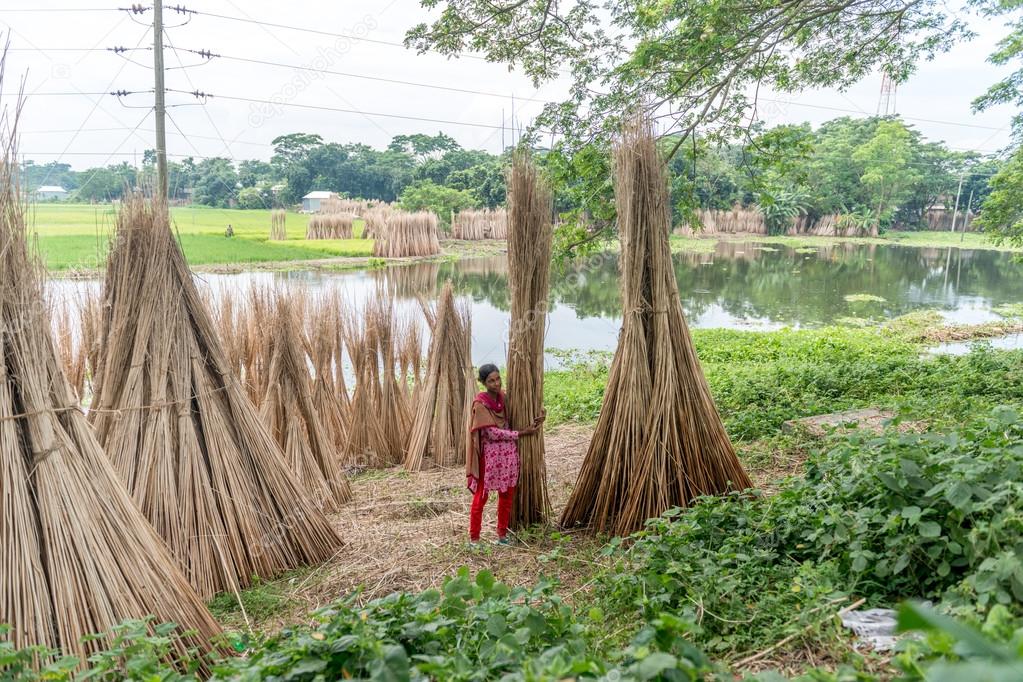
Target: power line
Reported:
point(114, 93)
point(207, 95)
point(44, 50)
point(212, 55)
point(141, 130)
point(906, 118)
point(270, 24)
point(62, 10)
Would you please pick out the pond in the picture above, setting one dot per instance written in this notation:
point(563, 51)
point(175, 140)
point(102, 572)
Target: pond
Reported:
point(741, 285)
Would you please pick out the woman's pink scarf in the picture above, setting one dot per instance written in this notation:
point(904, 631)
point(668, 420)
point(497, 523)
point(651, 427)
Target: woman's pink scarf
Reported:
point(492, 404)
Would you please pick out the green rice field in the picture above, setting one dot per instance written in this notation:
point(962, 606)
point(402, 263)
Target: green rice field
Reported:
point(76, 236)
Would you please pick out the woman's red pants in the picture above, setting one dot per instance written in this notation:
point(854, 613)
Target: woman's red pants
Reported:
point(504, 507)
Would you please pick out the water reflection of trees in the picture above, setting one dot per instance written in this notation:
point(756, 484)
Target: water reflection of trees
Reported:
point(786, 285)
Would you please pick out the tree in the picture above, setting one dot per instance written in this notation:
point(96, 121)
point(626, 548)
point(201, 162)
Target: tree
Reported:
point(690, 64)
point(429, 196)
point(1002, 211)
point(485, 180)
point(701, 61)
point(422, 146)
point(887, 172)
point(216, 183)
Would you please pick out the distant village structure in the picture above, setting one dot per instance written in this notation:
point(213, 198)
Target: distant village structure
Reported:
point(311, 201)
point(49, 192)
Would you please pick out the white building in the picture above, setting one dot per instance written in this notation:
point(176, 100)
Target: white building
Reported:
point(311, 201)
point(47, 192)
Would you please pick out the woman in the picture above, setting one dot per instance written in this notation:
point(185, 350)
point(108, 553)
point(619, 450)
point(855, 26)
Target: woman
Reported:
point(491, 454)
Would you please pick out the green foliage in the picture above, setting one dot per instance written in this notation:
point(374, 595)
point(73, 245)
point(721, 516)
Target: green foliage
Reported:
point(781, 207)
point(953, 651)
point(759, 380)
point(429, 196)
point(903, 514)
point(1001, 215)
point(472, 629)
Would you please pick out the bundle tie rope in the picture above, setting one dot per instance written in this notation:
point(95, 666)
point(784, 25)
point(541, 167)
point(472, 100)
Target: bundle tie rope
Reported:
point(79, 408)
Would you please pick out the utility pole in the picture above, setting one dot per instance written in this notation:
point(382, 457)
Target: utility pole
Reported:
point(959, 191)
point(966, 220)
point(161, 108)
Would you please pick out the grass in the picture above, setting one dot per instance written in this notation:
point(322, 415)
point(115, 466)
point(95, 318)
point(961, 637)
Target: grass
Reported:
point(762, 379)
point(808, 244)
point(76, 236)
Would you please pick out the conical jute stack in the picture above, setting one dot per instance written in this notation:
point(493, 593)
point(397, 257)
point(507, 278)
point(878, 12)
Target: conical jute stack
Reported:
point(76, 556)
point(438, 425)
point(659, 441)
point(178, 427)
point(529, 266)
point(290, 413)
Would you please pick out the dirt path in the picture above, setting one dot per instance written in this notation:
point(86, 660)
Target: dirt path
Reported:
point(409, 531)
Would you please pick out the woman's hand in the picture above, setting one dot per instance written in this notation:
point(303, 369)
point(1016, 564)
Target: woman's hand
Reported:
point(535, 426)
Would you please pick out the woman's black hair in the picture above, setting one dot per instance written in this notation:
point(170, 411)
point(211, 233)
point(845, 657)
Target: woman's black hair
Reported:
point(485, 371)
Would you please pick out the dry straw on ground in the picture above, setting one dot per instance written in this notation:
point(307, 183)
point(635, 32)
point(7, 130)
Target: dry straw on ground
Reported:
point(408, 235)
point(480, 224)
point(76, 556)
point(330, 226)
point(439, 423)
point(289, 411)
point(659, 441)
point(529, 264)
point(179, 429)
point(278, 225)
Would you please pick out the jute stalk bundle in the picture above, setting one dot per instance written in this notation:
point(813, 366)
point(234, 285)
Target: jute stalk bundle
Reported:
point(71, 350)
point(278, 225)
point(254, 322)
point(375, 221)
point(659, 441)
point(480, 224)
point(290, 414)
point(329, 398)
point(330, 226)
point(178, 428)
point(408, 235)
point(76, 555)
point(438, 427)
point(391, 407)
point(338, 205)
point(738, 220)
point(367, 445)
point(530, 235)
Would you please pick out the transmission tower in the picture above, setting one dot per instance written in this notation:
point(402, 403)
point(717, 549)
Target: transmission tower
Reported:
point(886, 102)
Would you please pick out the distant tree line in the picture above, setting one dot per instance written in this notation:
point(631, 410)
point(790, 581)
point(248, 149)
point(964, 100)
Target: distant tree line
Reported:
point(876, 170)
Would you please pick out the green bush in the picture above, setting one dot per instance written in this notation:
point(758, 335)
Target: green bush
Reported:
point(901, 515)
point(759, 380)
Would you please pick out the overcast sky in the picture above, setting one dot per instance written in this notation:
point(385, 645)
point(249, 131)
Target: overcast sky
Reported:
point(941, 91)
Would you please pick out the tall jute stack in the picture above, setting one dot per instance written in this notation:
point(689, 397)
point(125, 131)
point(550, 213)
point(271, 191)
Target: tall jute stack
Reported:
point(367, 445)
point(178, 428)
point(76, 555)
point(289, 412)
point(322, 338)
point(278, 224)
point(408, 235)
point(330, 226)
point(529, 266)
point(659, 441)
point(439, 422)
